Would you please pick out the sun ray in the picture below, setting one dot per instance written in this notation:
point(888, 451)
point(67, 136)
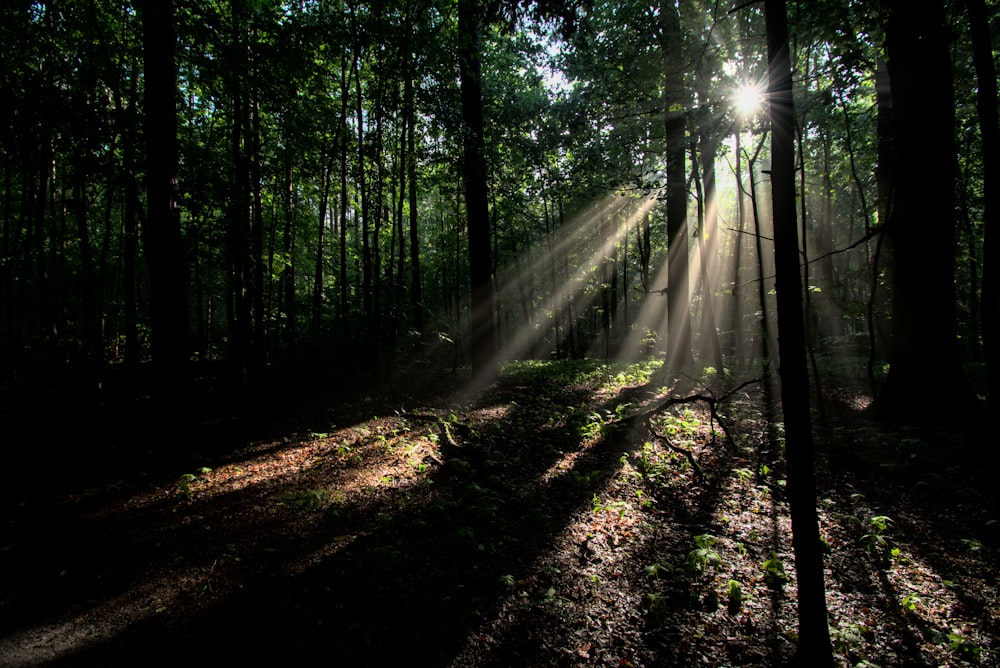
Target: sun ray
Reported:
point(576, 237)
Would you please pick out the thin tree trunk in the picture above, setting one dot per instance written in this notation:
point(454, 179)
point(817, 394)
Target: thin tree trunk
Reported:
point(989, 124)
point(258, 339)
point(814, 647)
point(316, 316)
point(765, 328)
point(416, 290)
point(164, 249)
point(922, 228)
point(92, 348)
point(483, 336)
point(288, 248)
point(739, 346)
point(679, 353)
point(706, 227)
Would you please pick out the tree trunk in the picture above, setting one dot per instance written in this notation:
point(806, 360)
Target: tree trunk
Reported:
point(164, 249)
point(316, 317)
point(92, 345)
point(240, 298)
point(678, 291)
point(989, 125)
point(707, 226)
point(345, 308)
point(288, 247)
point(416, 291)
point(482, 327)
point(814, 648)
point(922, 228)
point(739, 346)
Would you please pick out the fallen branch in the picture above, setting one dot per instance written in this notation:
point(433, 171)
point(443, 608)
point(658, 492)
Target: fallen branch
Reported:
point(645, 419)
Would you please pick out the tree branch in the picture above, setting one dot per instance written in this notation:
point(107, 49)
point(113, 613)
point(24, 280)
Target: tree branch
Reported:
point(645, 419)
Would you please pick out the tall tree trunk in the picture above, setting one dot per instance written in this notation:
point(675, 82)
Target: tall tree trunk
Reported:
point(482, 326)
point(707, 225)
point(922, 228)
point(316, 317)
point(164, 248)
point(678, 291)
point(416, 290)
point(605, 239)
point(708, 214)
point(345, 309)
point(366, 241)
point(130, 245)
point(766, 346)
point(989, 126)
point(258, 348)
point(570, 298)
point(288, 248)
point(814, 647)
point(92, 346)
point(739, 345)
point(240, 297)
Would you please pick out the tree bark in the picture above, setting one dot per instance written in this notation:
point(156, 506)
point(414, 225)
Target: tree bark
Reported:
point(814, 647)
point(922, 228)
point(482, 334)
point(416, 291)
point(164, 248)
point(678, 295)
point(989, 125)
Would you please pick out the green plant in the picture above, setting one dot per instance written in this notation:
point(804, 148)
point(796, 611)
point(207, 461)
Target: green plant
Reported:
point(848, 637)
point(702, 557)
point(774, 570)
point(964, 647)
point(734, 593)
point(972, 545)
point(656, 601)
point(185, 481)
point(876, 541)
point(621, 507)
point(657, 570)
point(910, 602)
point(304, 499)
point(644, 503)
point(594, 426)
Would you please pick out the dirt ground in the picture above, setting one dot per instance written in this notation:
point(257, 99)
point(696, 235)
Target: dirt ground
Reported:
point(538, 522)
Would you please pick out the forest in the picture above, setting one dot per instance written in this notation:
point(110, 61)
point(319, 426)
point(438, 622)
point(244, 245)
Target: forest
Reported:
point(499, 333)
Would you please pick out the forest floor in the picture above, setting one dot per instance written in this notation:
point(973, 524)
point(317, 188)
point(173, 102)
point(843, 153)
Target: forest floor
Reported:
point(571, 514)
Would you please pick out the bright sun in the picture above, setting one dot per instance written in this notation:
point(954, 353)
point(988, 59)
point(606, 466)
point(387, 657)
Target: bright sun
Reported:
point(748, 100)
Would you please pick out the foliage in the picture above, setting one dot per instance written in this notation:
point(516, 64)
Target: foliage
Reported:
point(774, 570)
point(703, 557)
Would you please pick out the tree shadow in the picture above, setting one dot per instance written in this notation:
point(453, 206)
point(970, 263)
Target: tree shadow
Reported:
point(399, 575)
point(933, 484)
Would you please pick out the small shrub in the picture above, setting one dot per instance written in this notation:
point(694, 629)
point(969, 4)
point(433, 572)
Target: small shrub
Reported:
point(703, 557)
point(774, 570)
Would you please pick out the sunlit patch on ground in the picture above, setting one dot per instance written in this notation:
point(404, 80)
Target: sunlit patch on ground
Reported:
point(544, 523)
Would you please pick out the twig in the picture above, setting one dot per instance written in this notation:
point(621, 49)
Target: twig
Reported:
point(646, 418)
point(684, 451)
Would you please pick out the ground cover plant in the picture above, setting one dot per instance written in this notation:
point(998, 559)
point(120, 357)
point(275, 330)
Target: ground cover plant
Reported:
point(575, 513)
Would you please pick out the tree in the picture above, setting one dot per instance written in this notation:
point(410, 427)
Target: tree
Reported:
point(678, 290)
point(922, 228)
point(814, 648)
point(483, 337)
point(164, 245)
point(989, 127)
